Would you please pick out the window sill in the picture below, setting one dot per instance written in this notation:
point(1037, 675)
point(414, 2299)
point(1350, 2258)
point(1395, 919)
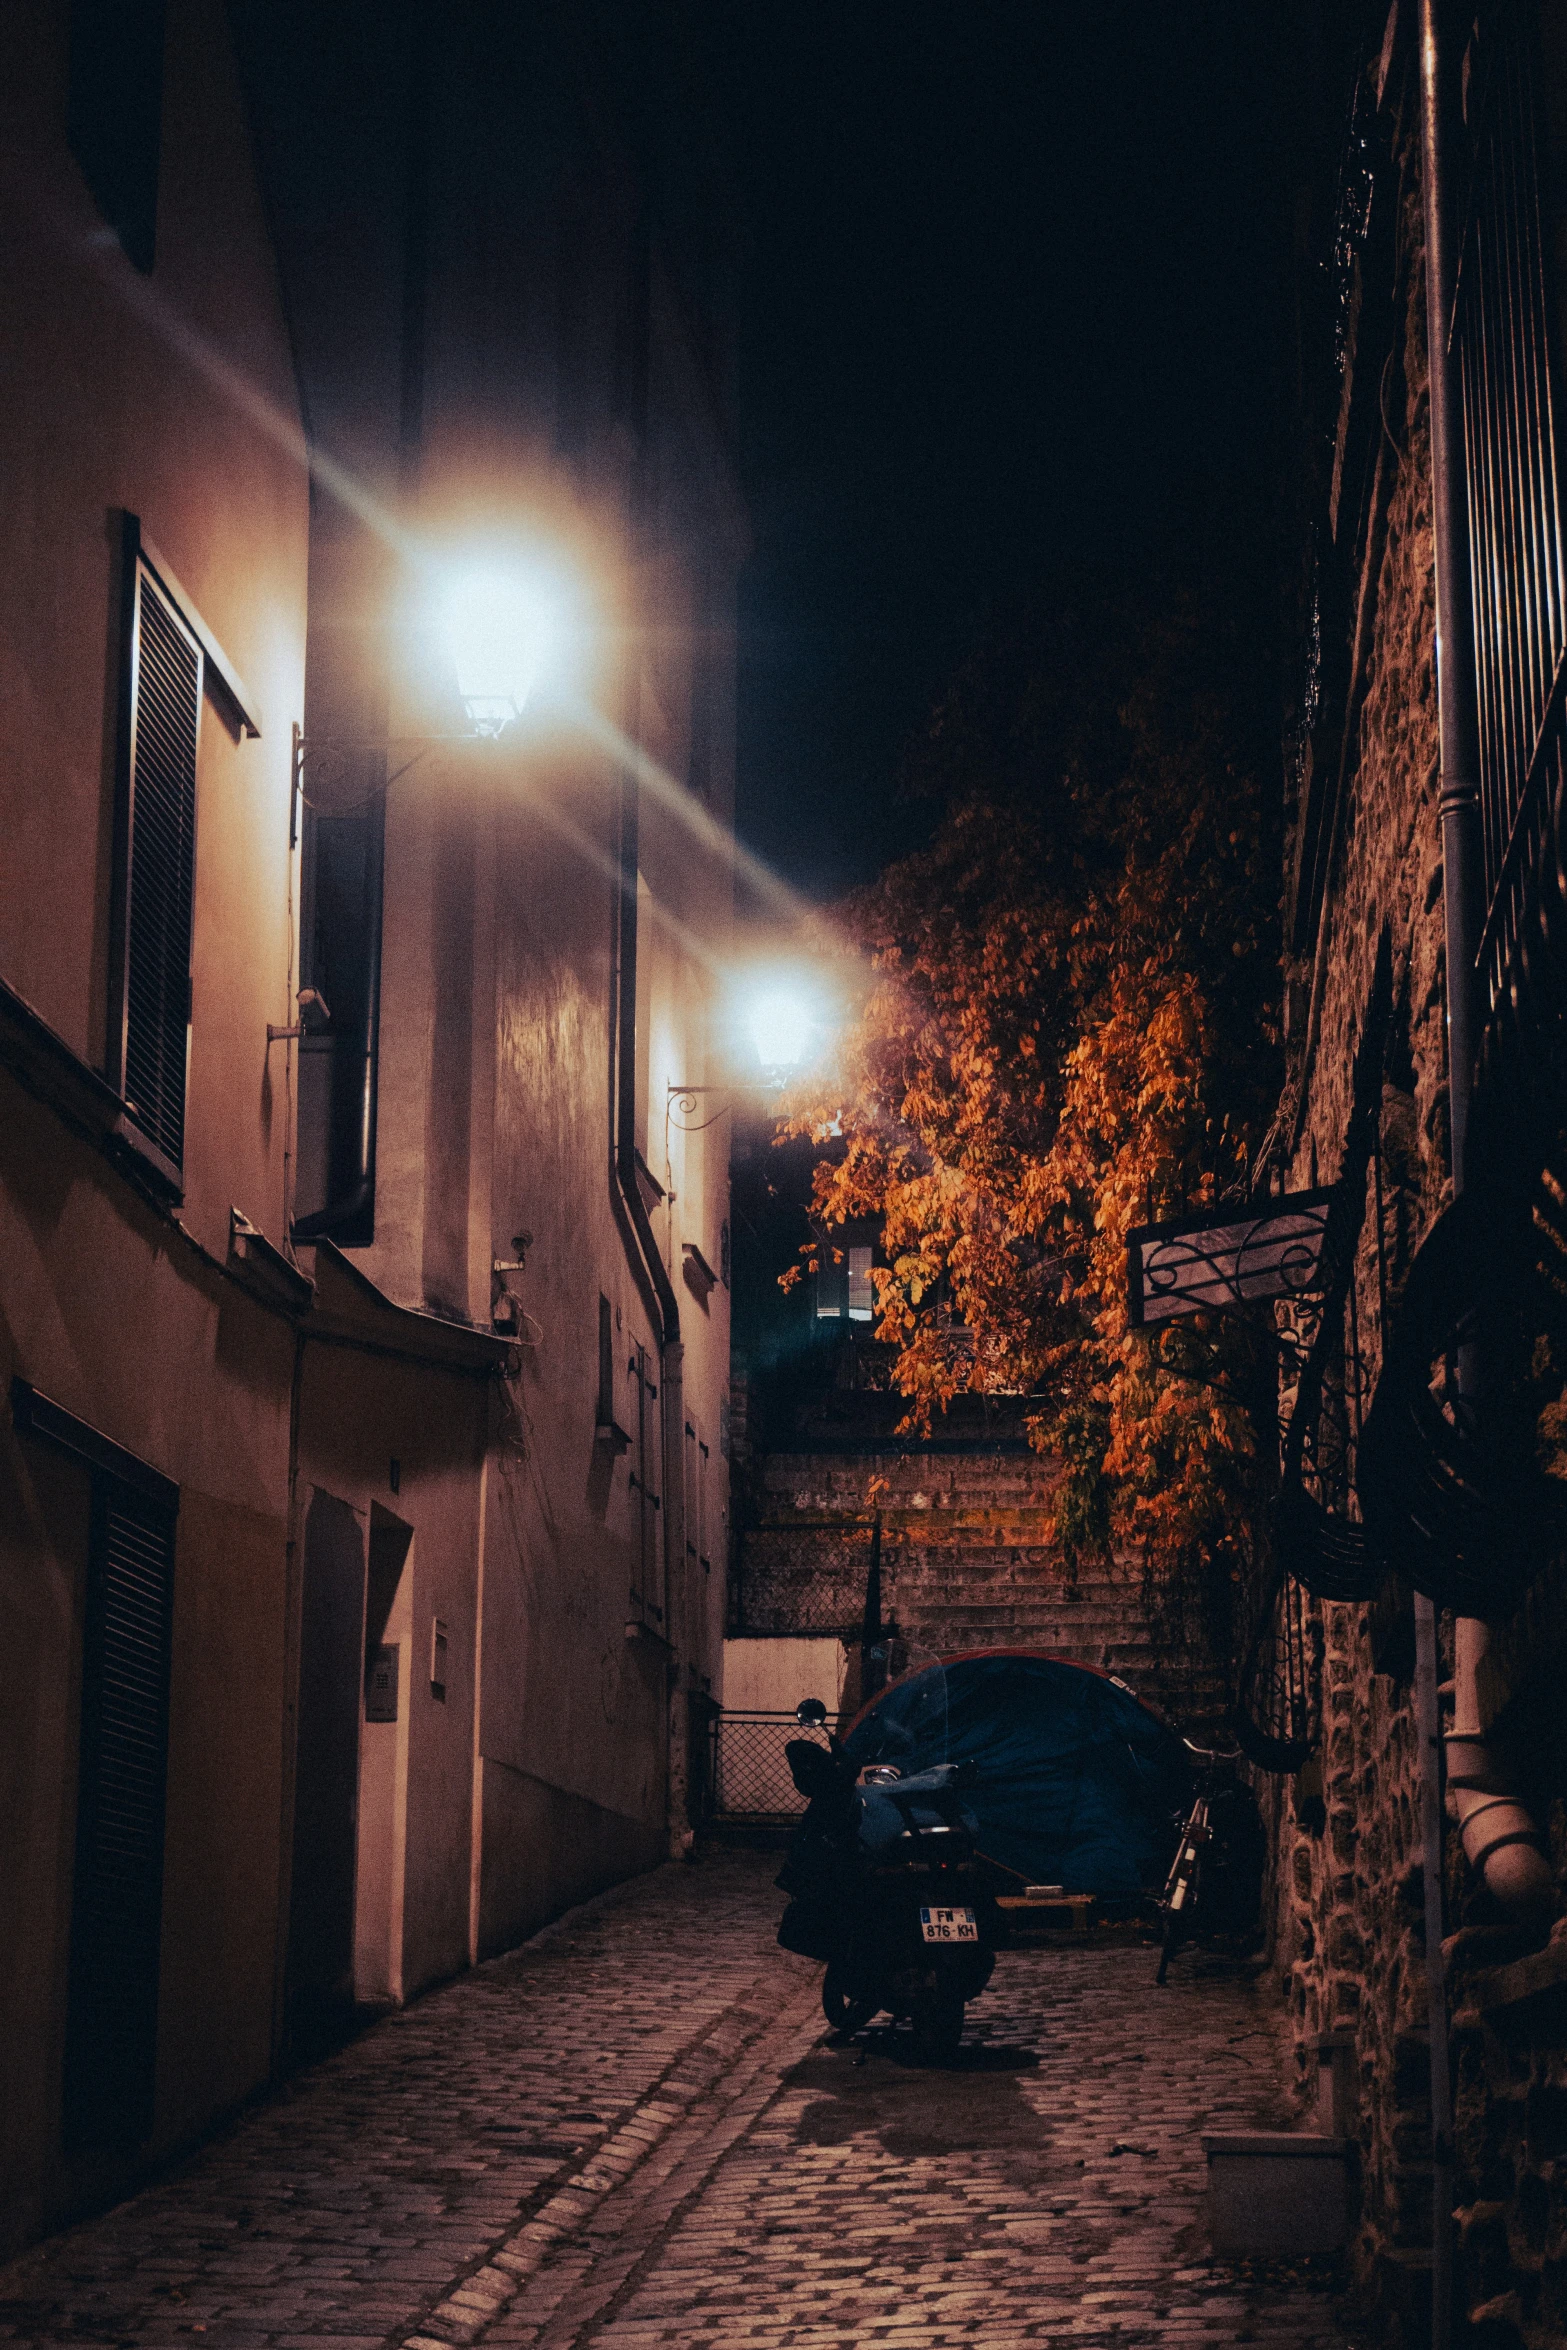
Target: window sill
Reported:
point(264, 1270)
point(140, 1159)
point(701, 1280)
point(57, 1076)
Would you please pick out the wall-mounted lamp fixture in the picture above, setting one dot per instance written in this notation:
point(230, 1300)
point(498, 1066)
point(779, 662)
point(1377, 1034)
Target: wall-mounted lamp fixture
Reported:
point(506, 625)
point(786, 1024)
point(309, 999)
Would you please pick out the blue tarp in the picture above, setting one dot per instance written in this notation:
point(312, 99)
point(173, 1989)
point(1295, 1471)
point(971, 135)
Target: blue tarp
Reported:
point(1076, 1782)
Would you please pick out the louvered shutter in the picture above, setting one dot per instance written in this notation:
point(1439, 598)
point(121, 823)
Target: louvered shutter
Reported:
point(159, 867)
point(112, 2013)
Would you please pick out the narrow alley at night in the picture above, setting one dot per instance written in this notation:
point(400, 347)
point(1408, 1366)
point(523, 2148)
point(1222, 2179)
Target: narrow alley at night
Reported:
point(783, 1174)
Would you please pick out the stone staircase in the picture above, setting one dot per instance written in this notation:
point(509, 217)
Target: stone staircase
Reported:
point(967, 1563)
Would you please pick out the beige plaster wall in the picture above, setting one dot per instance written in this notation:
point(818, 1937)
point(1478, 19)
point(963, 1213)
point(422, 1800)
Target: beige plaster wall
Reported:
point(110, 1313)
point(171, 397)
point(360, 1413)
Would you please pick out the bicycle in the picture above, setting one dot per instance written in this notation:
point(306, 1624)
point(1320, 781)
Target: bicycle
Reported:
point(1216, 1875)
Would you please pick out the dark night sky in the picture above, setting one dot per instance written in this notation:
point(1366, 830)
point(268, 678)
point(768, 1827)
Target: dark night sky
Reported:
point(1011, 306)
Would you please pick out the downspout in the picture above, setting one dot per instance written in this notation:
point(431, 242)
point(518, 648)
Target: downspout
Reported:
point(670, 1347)
point(1507, 1865)
point(350, 1218)
point(627, 1179)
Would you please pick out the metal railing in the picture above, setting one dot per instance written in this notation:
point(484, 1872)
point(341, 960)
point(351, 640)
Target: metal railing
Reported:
point(747, 1776)
point(1502, 329)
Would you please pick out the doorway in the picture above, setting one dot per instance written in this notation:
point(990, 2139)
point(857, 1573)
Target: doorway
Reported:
point(319, 1980)
point(383, 1762)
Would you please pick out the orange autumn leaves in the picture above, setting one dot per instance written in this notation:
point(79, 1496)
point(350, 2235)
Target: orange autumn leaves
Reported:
point(1070, 1027)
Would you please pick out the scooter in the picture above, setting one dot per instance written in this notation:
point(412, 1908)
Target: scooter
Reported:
point(886, 1886)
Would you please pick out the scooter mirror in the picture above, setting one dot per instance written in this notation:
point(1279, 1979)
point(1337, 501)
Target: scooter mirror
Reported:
point(810, 1710)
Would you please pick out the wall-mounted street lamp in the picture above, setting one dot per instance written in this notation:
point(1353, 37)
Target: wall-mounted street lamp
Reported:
point(503, 624)
point(786, 1025)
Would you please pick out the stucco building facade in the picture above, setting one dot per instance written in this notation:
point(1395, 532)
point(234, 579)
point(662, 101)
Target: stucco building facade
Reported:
point(364, 1313)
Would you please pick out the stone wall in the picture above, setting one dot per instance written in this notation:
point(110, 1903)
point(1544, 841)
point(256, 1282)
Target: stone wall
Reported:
point(1347, 1900)
point(1348, 1885)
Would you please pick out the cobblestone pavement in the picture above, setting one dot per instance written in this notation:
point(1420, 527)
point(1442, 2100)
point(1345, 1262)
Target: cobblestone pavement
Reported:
point(634, 2132)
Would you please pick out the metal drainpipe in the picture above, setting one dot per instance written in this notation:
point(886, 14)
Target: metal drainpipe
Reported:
point(670, 1346)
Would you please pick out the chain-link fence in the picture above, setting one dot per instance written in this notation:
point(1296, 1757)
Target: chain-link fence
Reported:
point(748, 1778)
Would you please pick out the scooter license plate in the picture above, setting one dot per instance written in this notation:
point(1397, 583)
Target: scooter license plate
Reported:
point(949, 1925)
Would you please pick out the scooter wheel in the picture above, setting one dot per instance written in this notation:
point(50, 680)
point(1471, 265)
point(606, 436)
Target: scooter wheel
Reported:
point(845, 2010)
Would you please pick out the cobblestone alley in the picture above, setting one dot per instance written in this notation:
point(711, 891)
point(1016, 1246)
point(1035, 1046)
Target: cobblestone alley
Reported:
point(635, 2131)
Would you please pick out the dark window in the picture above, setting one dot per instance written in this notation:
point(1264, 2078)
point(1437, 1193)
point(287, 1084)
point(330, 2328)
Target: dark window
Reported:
point(704, 678)
point(149, 1015)
point(338, 1057)
point(115, 112)
point(606, 1386)
point(647, 1578)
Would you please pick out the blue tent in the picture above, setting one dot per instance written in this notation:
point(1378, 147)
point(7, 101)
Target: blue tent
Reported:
point(1076, 1783)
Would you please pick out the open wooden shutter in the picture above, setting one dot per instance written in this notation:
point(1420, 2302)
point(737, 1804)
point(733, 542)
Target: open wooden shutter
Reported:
point(150, 1014)
point(117, 1909)
point(647, 1592)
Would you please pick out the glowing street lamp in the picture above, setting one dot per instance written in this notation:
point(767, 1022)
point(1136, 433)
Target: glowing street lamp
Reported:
point(506, 625)
point(785, 1023)
point(500, 624)
point(782, 1025)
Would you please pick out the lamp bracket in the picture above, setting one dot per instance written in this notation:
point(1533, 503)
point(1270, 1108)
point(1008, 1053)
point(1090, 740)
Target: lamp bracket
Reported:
point(328, 757)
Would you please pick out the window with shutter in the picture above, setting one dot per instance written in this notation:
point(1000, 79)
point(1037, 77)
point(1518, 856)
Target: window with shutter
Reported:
point(149, 1022)
point(117, 1909)
point(114, 114)
point(647, 1578)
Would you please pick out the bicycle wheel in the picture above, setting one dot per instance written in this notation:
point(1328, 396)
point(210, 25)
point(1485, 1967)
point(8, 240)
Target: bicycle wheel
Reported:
point(1174, 1930)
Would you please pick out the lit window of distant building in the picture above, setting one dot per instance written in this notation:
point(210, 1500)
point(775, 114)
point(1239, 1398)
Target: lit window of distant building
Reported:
point(862, 1295)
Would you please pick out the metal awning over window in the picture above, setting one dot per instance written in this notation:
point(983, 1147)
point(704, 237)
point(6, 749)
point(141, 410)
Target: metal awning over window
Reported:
point(1203, 1264)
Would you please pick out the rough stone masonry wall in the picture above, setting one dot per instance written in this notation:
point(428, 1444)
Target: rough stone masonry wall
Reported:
point(1348, 1941)
point(1348, 1887)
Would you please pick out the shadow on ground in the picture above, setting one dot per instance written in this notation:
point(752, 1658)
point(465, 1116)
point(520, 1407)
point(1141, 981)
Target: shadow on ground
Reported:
point(877, 2084)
